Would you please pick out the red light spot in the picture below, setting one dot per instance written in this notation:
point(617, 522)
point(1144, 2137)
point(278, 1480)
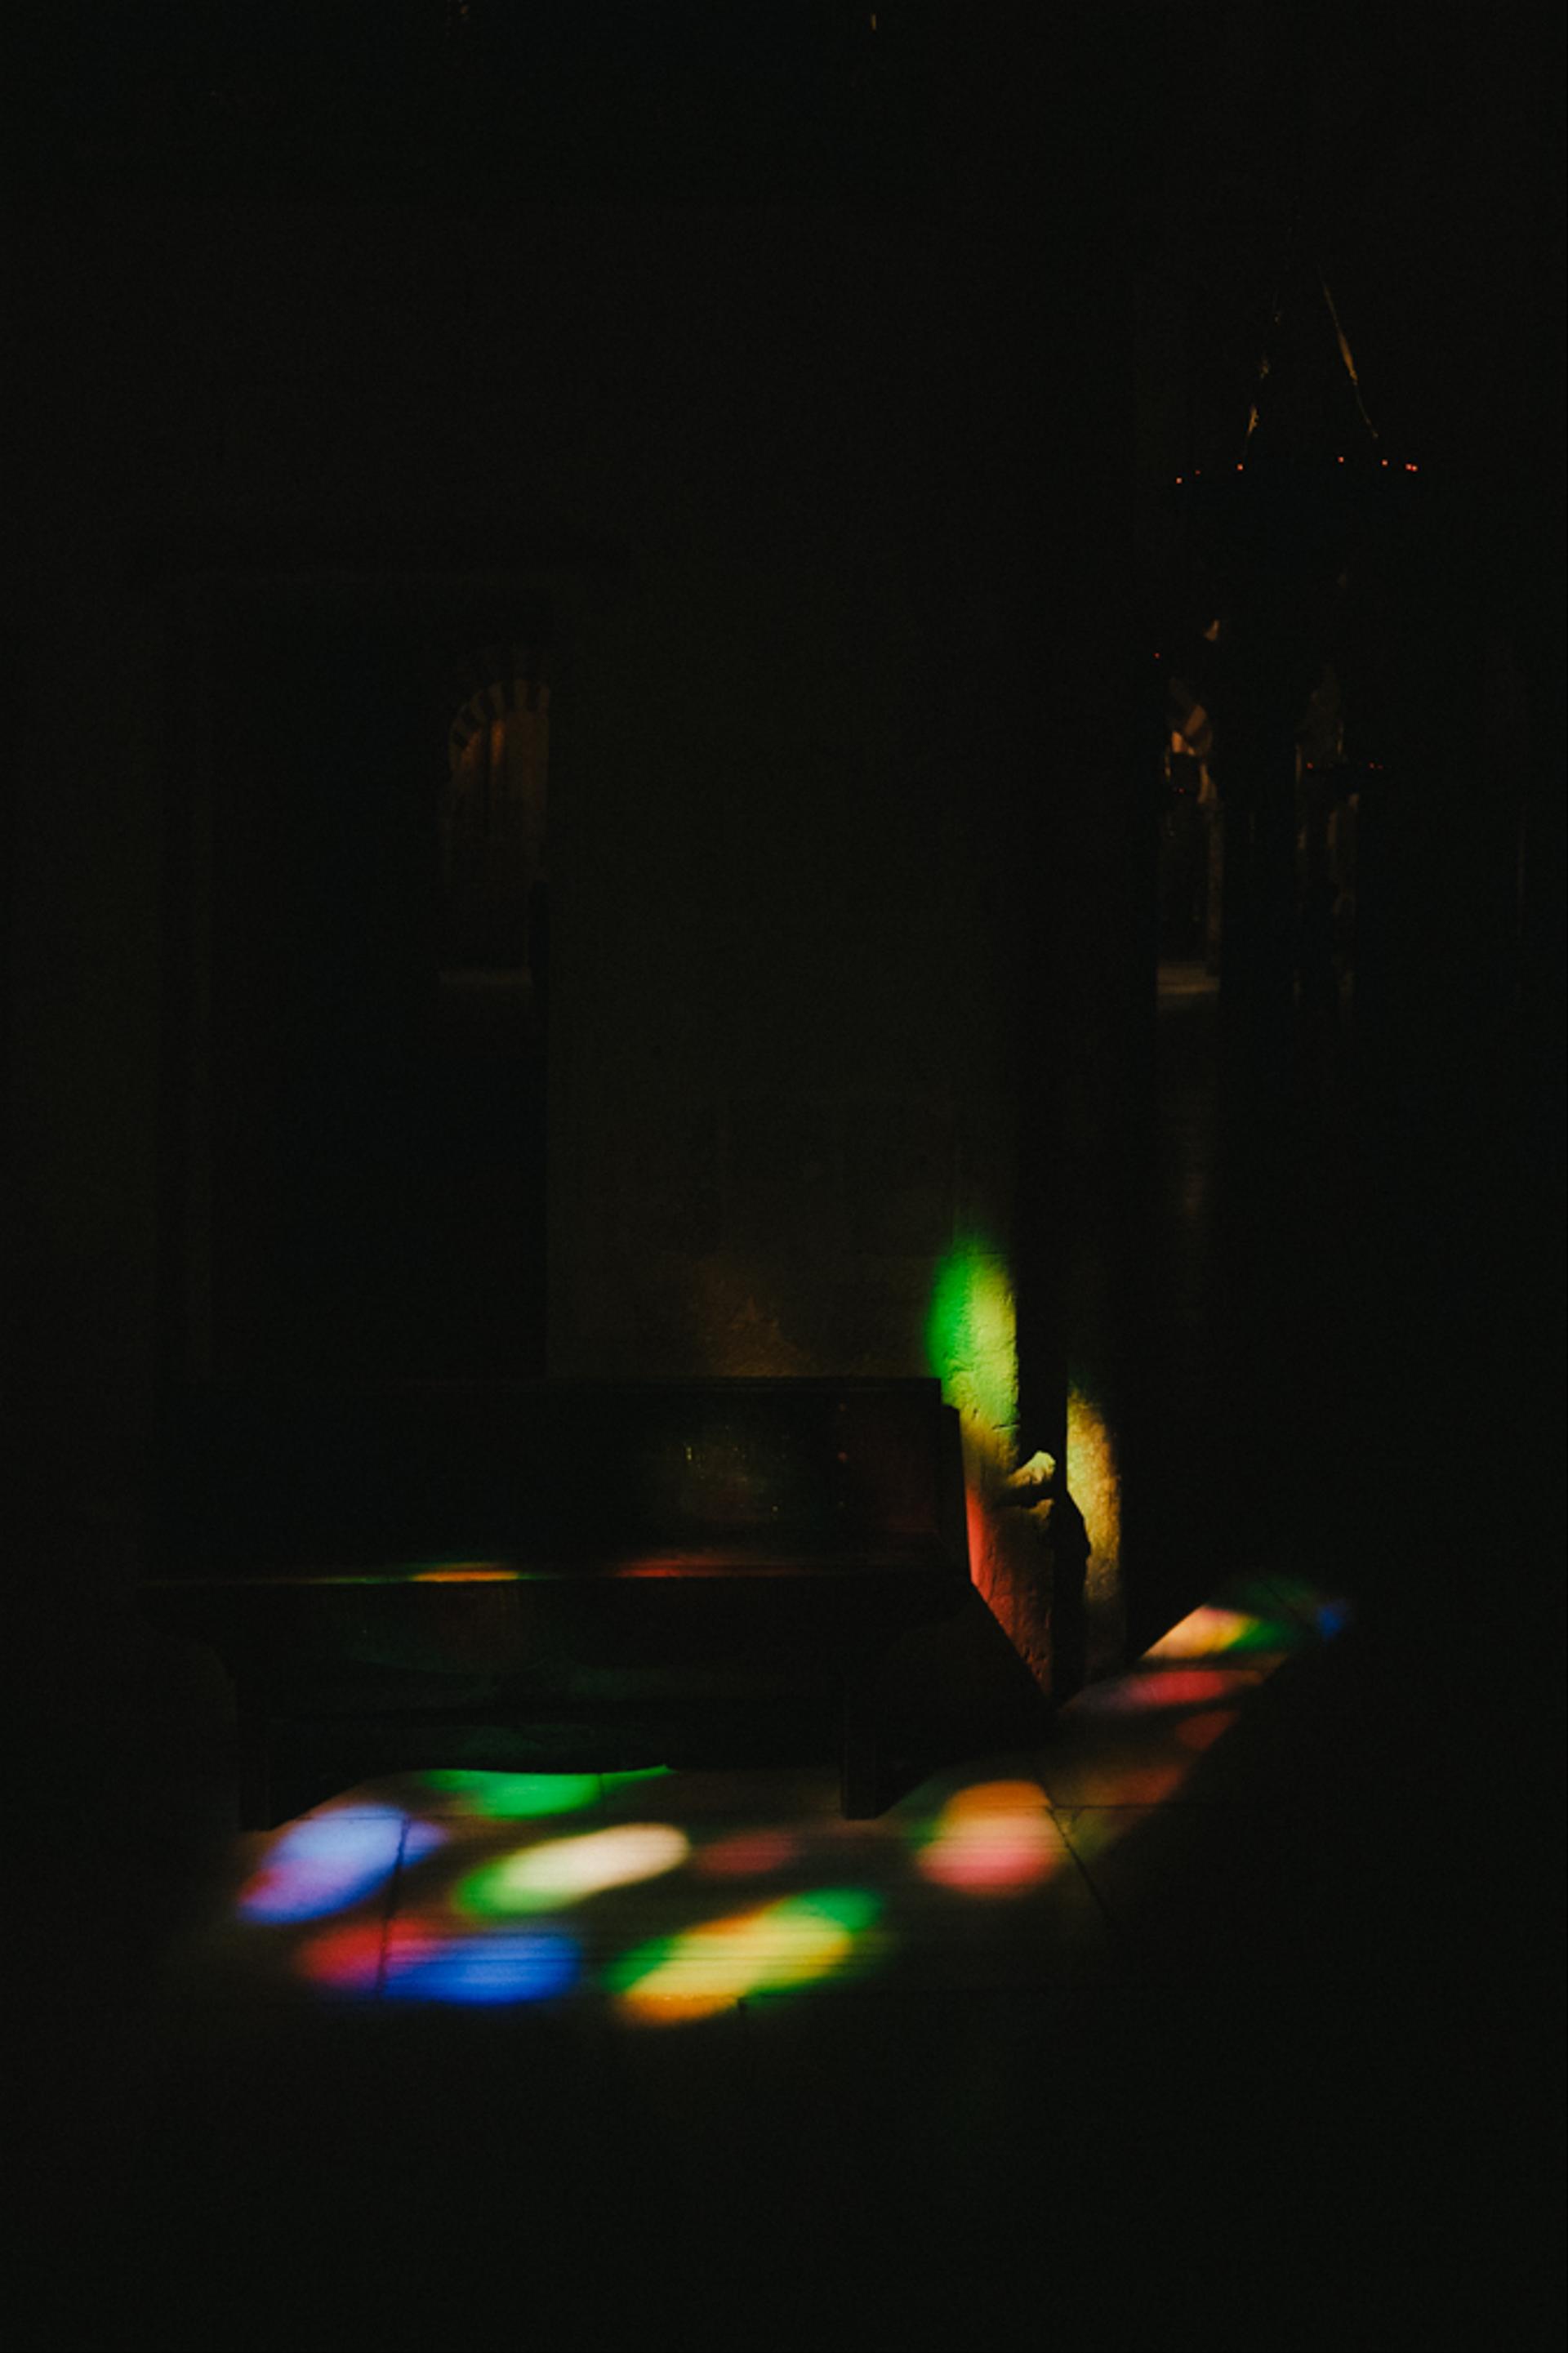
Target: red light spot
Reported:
point(348, 1957)
point(747, 1854)
point(1202, 1731)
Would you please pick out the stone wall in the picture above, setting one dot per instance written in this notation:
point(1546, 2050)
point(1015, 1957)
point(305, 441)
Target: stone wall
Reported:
point(807, 829)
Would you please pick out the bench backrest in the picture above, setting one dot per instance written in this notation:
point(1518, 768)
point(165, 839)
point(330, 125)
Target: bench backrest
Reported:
point(256, 1479)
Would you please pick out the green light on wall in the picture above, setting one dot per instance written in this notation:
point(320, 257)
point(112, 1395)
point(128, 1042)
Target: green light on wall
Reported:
point(972, 1342)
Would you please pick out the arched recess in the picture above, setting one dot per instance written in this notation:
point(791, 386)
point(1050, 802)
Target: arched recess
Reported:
point(494, 827)
point(356, 1035)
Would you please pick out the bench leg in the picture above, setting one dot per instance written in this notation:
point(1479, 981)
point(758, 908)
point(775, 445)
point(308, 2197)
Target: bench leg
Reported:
point(859, 1764)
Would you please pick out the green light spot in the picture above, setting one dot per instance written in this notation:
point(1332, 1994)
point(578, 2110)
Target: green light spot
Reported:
point(512, 1796)
point(1260, 1634)
point(641, 1962)
point(851, 1908)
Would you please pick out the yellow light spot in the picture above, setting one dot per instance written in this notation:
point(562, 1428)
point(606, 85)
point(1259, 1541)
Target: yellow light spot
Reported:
point(559, 1871)
point(709, 1968)
point(1204, 1631)
point(1094, 1477)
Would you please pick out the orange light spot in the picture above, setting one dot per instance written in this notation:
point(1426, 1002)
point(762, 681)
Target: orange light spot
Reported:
point(993, 1839)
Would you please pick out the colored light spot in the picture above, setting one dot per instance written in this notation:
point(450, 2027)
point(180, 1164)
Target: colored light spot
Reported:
point(639, 1773)
point(512, 1796)
point(1200, 1732)
point(995, 1838)
point(1143, 1692)
point(466, 1572)
point(977, 1522)
point(347, 1958)
point(560, 1870)
point(1327, 1613)
point(328, 1860)
point(1094, 1484)
point(423, 1966)
point(972, 1338)
point(750, 1854)
point(1210, 1632)
point(416, 1961)
point(788, 1943)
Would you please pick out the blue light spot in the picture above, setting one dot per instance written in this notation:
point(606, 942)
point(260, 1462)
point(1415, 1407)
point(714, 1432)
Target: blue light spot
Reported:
point(328, 1861)
point(421, 1838)
point(487, 1969)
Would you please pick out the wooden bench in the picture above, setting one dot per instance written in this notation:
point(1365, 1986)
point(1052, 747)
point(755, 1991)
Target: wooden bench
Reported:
point(439, 1555)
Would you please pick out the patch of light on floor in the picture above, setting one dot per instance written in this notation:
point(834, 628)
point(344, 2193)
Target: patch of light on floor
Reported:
point(709, 1969)
point(1139, 1692)
point(994, 1838)
point(680, 1918)
point(511, 1797)
point(1208, 1633)
point(331, 1860)
point(542, 1878)
point(748, 1855)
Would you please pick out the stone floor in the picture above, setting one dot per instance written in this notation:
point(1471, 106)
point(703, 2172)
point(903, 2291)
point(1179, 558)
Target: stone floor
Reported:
point(1226, 2015)
point(1212, 2022)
